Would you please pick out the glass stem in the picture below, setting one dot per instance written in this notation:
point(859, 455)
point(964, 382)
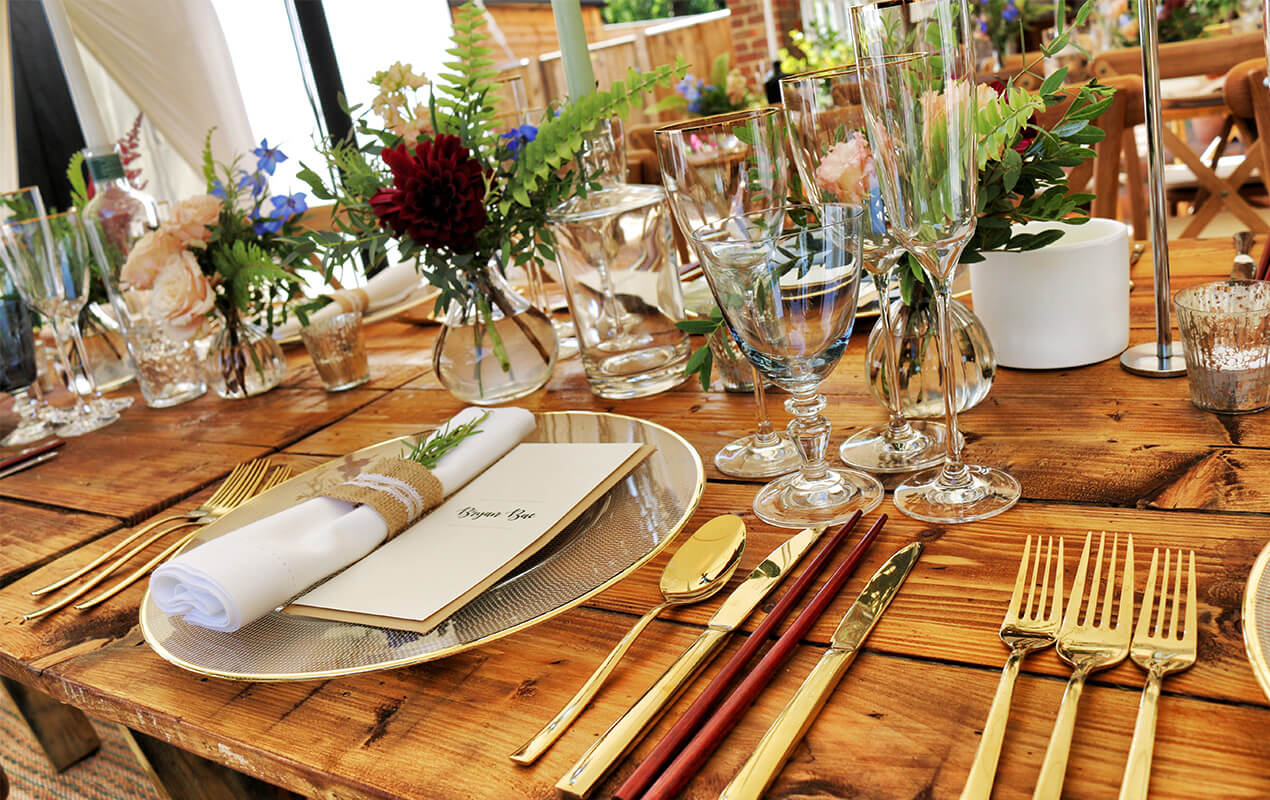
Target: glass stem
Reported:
point(954, 472)
point(66, 332)
point(810, 431)
point(763, 433)
point(897, 429)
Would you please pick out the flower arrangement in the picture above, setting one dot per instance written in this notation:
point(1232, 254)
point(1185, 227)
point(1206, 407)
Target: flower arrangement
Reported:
point(1008, 23)
point(223, 250)
point(1178, 20)
point(819, 47)
point(728, 90)
point(453, 185)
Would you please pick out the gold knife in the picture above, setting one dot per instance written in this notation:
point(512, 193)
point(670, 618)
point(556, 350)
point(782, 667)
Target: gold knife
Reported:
point(774, 749)
point(617, 741)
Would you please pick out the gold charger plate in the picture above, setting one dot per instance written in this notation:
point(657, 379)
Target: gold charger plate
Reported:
point(1256, 616)
point(615, 537)
point(425, 293)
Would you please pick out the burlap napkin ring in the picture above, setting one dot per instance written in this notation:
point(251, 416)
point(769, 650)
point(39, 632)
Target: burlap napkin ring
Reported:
point(400, 490)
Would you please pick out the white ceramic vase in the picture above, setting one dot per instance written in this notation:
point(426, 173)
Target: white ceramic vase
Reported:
point(1064, 305)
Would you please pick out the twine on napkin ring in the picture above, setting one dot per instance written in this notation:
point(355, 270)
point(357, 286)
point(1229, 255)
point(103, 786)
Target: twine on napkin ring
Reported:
point(350, 300)
point(399, 490)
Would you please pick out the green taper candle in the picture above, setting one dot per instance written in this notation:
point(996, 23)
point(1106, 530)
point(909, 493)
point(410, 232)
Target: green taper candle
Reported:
point(579, 77)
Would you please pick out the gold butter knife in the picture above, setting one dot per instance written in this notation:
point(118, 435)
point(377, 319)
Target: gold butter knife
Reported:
point(774, 749)
point(623, 735)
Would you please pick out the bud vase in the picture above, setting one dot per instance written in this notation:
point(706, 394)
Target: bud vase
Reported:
point(916, 346)
point(243, 361)
point(495, 347)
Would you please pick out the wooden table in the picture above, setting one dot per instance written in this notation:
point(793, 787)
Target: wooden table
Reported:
point(1094, 448)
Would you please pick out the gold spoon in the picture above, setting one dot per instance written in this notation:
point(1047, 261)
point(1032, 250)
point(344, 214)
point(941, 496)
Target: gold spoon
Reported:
point(701, 567)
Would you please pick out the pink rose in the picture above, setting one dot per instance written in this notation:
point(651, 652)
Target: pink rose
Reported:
point(147, 258)
point(182, 296)
point(191, 217)
point(847, 169)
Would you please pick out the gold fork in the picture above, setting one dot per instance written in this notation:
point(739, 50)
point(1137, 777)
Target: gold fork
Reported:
point(1025, 628)
point(236, 488)
point(279, 475)
point(227, 503)
point(1087, 644)
point(1158, 653)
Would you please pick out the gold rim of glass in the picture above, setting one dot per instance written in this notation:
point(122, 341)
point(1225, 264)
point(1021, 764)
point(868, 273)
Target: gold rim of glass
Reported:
point(718, 119)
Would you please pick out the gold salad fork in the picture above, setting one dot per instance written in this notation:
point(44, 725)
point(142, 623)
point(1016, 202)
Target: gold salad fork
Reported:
point(1159, 653)
point(243, 481)
point(1025, 628)
point(279, 475)
point(1088, 644)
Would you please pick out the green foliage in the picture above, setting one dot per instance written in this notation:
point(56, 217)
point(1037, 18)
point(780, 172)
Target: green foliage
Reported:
point(463, 107)
point(818, 47)
point(636, 10)
point(428, 451)
point(1000, 123)
point(75, 174)
point(701, 362)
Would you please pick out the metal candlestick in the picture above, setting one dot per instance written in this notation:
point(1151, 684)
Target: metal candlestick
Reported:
point(1161, 358)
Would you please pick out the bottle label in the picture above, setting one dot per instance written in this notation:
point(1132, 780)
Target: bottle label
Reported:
point(105, 168)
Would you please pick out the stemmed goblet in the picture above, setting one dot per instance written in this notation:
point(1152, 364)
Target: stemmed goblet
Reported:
point(47, 258)
point(827, 137)
point(788, 281)
point(713, 168)
point(921, 112)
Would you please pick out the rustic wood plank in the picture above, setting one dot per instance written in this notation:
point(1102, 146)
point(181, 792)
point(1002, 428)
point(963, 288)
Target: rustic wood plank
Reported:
point(63, 732)
point(32, 536)
point(125, 476)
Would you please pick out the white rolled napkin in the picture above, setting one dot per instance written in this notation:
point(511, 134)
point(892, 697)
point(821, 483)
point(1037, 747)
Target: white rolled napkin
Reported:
point(237, 578)
point(392, 285)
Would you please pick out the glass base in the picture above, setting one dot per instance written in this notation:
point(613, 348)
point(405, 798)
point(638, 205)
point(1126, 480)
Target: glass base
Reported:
point(111, 406)
point(746, 458)
point(791, 502)
point(80, 425)
point(28, 431)
point(566, 339)
point(870, 450)
point(986, 493)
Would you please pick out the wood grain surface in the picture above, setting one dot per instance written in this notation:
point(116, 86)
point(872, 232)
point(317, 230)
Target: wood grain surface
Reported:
point(1094, 448)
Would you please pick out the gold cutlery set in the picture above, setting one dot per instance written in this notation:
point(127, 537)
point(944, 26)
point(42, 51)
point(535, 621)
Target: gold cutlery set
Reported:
point(1088, 640)
point(243, 482)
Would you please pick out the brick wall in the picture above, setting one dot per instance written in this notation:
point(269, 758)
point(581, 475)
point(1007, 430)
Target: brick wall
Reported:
point(749, 40)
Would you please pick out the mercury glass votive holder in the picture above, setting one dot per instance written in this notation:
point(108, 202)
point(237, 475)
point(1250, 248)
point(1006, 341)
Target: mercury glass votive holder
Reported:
point(1225, 328)
point(338, 349)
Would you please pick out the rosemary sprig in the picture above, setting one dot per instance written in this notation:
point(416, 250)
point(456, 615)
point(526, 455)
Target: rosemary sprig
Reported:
point(429, 451)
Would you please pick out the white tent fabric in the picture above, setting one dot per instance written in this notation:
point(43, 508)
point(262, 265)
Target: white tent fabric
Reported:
point(170, 56)
point(8, 130)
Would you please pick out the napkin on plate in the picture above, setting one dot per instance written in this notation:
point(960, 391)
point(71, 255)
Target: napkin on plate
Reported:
point(392, 285)
point(237, 578)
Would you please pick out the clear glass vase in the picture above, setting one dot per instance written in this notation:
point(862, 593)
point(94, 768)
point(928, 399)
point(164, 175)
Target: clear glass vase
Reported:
point(975, 362)
point(495, 348)
point(243, 361)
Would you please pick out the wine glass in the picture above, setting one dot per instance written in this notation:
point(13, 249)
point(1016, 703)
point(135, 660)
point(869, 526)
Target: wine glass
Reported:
point(715, 167)
point(788, 283)
point(47, 258)
point(827, 136)
point(18, 374)
point(921, 112)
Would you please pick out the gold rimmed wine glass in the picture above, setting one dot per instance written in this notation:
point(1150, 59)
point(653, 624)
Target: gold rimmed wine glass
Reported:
point(715, 167)
point(788, 281)
point(920, 105)
point(827, 137)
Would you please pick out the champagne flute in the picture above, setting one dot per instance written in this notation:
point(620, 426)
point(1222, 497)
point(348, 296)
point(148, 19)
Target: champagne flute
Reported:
point(714, 167)
point(47, 258)
point(827, 136)
point(921, 112)
point(788, 285)
point(18, 374)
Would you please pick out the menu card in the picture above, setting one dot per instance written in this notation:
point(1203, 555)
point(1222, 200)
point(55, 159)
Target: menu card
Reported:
point(481, 533)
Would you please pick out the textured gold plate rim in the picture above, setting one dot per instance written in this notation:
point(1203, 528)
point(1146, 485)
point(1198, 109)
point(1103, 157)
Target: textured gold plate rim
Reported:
point(423, 294)
point(689, 509)
point(1254, 647)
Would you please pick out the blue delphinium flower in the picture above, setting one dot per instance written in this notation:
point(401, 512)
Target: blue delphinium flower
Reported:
point(691, 88)
point(268, 158)
point(284, 208)
point(983, 26)
point(1011, 12)
point(218, 189)
point(258, 182)
point(518, 137)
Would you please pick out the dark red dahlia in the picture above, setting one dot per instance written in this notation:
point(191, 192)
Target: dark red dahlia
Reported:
point(438, 194)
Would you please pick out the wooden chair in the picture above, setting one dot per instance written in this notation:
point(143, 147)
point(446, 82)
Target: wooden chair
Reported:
point(1214, 55)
